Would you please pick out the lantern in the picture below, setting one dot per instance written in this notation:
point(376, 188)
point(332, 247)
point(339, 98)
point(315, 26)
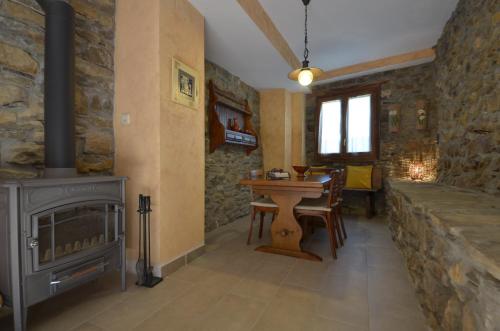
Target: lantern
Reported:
point(417, 170)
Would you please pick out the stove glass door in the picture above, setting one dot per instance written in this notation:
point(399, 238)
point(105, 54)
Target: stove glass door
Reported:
point(69, 231)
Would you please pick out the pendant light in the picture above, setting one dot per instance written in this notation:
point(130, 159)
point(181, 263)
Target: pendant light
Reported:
point(306, 74)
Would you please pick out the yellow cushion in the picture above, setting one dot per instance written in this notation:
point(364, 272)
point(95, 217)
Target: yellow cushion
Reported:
point(359, 177)
point(314, 173)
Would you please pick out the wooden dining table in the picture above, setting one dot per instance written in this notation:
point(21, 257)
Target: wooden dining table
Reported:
point(286, 232)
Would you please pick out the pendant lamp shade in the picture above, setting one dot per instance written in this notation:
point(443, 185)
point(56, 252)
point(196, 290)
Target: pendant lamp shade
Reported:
point(305, 75)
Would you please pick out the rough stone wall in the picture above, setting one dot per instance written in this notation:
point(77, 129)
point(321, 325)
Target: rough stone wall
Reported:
point(455, 288)
point(21, 87)
point(401, 88)
point(225, 199)
point(468, 97)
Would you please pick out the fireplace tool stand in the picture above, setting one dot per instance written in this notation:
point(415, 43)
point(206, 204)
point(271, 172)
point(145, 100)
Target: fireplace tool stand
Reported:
point(143, 267)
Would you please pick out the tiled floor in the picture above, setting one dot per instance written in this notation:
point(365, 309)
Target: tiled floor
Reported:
point(232, 287)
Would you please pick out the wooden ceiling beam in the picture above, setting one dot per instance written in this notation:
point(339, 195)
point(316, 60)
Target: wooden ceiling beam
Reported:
point(258, 15)
point(427, 53)
point(256, 12)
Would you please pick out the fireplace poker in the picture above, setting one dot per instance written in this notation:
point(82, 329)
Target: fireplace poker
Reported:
point(145, 269)
point(139, 266)
point(148, 222)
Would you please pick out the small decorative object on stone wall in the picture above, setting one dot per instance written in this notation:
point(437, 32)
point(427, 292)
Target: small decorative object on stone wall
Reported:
point(417, 170)
point(418, 162)
point(185, 84)
point(421, 115)
point(394, 118)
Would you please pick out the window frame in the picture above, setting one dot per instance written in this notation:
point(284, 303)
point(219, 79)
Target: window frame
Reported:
point(344, 94)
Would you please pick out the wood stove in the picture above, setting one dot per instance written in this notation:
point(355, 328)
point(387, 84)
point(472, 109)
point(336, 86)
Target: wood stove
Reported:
point(59, 233)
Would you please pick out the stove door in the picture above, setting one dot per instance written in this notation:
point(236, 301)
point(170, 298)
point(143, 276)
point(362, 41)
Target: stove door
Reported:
point(66, 233)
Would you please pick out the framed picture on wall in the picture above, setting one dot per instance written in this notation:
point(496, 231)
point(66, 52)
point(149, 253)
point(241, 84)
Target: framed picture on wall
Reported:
point(185, 84)
point(394, 118)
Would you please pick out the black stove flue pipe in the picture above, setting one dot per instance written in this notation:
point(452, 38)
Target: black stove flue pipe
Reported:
point(59, 81)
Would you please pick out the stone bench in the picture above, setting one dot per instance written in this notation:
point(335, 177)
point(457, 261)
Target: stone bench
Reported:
point(450, 238)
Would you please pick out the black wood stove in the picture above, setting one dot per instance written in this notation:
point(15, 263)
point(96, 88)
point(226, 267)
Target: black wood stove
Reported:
point(60, 231)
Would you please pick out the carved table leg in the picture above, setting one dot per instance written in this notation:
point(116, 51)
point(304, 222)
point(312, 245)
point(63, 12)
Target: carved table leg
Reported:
point(286, 232)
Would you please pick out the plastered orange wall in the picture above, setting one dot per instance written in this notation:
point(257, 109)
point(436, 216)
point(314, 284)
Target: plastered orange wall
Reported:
point(298, 156)
point(282, 128)
point(162, 150)
point(275, 128)
point(137, 93)
point(182, 133)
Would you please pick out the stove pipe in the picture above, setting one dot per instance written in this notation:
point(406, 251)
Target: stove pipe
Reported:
point(59, 95)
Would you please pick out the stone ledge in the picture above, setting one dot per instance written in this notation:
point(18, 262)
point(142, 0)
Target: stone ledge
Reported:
point(471, 217)
point(450, 238)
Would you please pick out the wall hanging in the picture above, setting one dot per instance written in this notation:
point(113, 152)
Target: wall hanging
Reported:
point(394, 118)
point(421, 106)
point(185, 84)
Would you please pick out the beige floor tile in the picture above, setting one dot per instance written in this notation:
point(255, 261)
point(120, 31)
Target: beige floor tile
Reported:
point(345, 285)
point(391, 321)
point(344, 298)
point(225, 282)
point(350, 311)
point(300, 298)
point(140, 306)
point(292, 309)
point(234, 287)
point(384, 257)
point(324, 324)
point(307, 274)
point(263, 282)
point(260, 289)
point(391, 287)
point(349, 259)
point(192, 273)
point(87, 327)
point(232, 313)
point(184, 313)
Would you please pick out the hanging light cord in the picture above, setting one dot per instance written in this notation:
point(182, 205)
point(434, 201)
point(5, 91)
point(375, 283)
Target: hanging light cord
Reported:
point(306, 50)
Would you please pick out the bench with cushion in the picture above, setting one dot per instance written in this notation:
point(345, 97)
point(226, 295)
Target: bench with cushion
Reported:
point(369, 189)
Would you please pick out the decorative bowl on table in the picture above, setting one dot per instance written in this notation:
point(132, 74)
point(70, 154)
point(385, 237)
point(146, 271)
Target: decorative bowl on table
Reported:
point(301, 170)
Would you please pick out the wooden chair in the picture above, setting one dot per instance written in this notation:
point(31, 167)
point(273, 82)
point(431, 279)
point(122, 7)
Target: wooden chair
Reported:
point(324, 208)
point(342, 181)
point(261, 205)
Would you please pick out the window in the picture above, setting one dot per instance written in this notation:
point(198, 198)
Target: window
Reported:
point(347, 125)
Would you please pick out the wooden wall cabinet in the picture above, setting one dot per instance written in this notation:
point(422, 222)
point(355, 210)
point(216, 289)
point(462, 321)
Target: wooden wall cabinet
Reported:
point(223, 107)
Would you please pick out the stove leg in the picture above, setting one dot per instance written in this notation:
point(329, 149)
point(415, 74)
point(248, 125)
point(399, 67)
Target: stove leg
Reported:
point(20, 318)
point(123, 279)
point(17, 291)
point(25, 318)
point(123, 267)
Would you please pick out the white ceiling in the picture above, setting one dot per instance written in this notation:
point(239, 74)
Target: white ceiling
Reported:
point(341, 33)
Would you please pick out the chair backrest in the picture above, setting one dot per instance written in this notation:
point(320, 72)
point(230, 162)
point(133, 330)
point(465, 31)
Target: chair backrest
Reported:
point(320, 170)
point(256, 173)
point(342, 181)
point(335, 186)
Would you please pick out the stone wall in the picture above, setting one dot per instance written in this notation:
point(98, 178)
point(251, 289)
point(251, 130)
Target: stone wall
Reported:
point(468, 97)
point(449, 238)
point(21, 87)
point(225, 199)
point(402, 88)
